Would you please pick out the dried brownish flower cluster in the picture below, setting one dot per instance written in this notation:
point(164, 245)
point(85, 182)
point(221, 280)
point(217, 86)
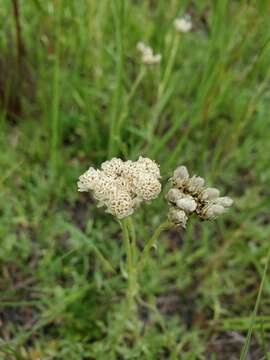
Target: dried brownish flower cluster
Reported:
point(188, 195)
point(121, 186)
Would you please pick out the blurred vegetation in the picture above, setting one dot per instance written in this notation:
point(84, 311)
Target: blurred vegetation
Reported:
point(68, 101)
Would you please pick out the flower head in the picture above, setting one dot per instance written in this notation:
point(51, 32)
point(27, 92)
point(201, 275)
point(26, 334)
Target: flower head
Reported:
point(121, 186)
point(183, 24)
point(188, 195)
point(148, 56)
point(146, 186)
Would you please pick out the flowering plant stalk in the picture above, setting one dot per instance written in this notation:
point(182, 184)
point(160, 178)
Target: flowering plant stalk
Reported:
point(123, 186)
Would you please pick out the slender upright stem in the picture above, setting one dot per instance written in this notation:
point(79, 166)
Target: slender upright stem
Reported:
point(132, 278)
point(129, 97)
point(133, 240)
point(162, 87)
point(170, 64)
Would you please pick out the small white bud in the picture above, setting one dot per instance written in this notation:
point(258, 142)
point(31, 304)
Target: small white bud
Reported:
point(183, 25)
point(178, 217)
point(173, 195)
point(141, 47)
point(213, 211)
point(187, 204)
point(210, 194)
point(148, 56)
point(195, 184)
point(151, 59)
point(224, 201)
point(181, 173)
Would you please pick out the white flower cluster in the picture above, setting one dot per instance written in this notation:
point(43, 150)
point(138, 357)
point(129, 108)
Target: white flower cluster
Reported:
point(189, 195)
point(148, 56)
point(183, 24)
point(121, 186)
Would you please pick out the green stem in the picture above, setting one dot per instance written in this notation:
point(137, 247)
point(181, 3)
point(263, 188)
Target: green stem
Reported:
point(132, 278)
point(135, 85)
point(170, 64)
point(129, 97)
point(133, 240)
point(164, 226)
point(161, 95)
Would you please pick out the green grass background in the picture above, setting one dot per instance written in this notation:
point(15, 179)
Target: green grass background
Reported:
point(76, 95)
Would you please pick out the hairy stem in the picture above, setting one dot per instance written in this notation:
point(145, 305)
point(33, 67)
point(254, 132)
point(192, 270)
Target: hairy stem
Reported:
point(132, 278)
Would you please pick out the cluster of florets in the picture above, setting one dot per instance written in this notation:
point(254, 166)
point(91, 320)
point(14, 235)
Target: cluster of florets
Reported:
point(148, 56)
point(183, 24)
point(121, 186)
point(188, 195)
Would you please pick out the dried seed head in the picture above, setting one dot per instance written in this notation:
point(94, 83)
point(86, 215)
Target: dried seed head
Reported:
point(104, 188)
point(146, 186)
point(187, 204)
point(130, 169)
point(183, 25)
point(177, 217)
point(122, 186)
point(113, 167)
point(148, 165)
point(120, 204)
point(88, 180)
point(123, 183)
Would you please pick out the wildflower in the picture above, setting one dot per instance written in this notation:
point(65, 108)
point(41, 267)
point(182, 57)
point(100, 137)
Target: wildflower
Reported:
point(120, 204)
point(146, 186)
point(148, 56)
point(88, 180)
point(183, 24)
point(178, 217)
point(173, 195)
point(149, 165)
point(121, 186)
point(212, 211)
point(188, 195)
point(187, 204)
point(113, 167)
point(209, 194)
